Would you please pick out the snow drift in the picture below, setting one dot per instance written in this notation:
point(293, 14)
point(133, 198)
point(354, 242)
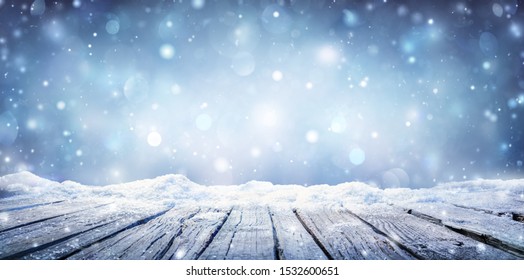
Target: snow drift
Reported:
point(497, 195)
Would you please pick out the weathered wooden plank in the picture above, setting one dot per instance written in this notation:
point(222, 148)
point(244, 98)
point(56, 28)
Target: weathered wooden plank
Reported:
point(147, 241)
point(197, 233)
point(425, 240)
point(247, 234)
point(14, 204)
point(344, 236)
point(64, 230)
point(71, 246)
point(513, 214)
point(293, 241)
point(157, 248)
point(499, 232)
point(44, 212)
point(179, 234)
point(503, 197)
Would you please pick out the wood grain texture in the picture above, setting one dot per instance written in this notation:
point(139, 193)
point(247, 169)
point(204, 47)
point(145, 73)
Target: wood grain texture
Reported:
point(246, 235)
point(293, 240)
point(45, 211)
point(178, 234)
point(70, 231)
point(13, 204)
point(425, 240)
point(500, 232)
point(344, 236)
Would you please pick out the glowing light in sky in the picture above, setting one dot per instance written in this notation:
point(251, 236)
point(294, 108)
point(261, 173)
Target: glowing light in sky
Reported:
point(204, 122)
point(327, 55)
point(221, 165)
point(312, 136)
point(277, 76)
point(357, 156)
point(154, 139)
point(167, 51)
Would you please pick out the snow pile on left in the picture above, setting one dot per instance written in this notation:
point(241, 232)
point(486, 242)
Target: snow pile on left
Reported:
point(165, 189)
point(177, 190)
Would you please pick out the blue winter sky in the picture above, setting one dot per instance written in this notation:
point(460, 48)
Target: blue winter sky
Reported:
point(398, 93)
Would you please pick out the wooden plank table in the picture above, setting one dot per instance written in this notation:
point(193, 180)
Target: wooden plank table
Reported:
point(104, 229)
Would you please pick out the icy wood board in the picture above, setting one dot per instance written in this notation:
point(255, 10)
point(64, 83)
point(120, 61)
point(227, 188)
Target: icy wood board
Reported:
point(44, 211)
point(15, 204)
point(293, 241)
point(123, 222)
point(425, 240)
point(197, 233)
point(22, 241)
point(501, 232)
point(246, 235)
point(179, 233)
point(344, 236)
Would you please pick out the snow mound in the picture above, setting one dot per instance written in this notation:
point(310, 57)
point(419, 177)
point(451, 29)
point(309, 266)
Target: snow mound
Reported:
point(24, 183)
point(178, 190)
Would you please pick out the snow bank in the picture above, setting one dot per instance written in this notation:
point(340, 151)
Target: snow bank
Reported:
point(25, 183)
point(178, 190)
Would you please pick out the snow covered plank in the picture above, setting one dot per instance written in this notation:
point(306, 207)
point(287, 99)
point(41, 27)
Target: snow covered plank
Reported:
point(15, 204)
point(124, 222)
point(44, 212)
point(509, 213)
point(293, 241)
point(497, 197)
point(343, 236)
point(171, 235)
point(423, 239)
point(246, 235)
point(146, 241)
point(499, 232)
point(65, 231)
point(197, 233)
